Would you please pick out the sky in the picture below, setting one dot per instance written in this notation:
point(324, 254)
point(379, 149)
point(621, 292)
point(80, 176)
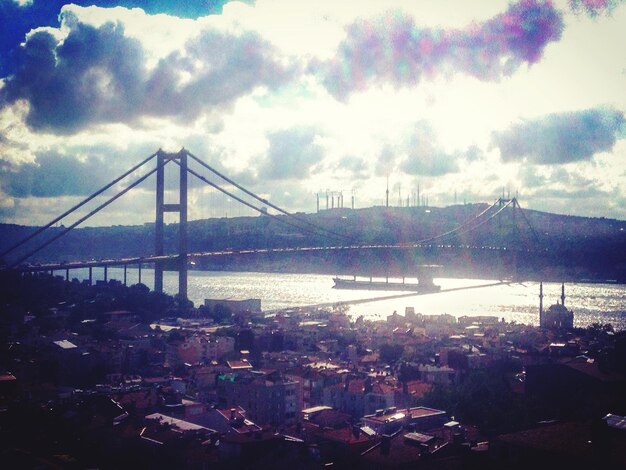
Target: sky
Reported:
point(463, 100)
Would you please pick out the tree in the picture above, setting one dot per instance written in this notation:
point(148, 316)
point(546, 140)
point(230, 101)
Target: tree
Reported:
point(391, 353)
point(221, 314)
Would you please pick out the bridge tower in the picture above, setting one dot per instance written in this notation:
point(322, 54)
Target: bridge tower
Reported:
point(181, 208)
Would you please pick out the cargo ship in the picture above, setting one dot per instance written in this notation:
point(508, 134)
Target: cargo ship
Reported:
point(424, 285)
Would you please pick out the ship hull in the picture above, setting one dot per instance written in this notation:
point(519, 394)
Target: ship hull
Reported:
point(380, 285)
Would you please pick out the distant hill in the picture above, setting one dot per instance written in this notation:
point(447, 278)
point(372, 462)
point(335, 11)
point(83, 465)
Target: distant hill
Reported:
point(538, 244)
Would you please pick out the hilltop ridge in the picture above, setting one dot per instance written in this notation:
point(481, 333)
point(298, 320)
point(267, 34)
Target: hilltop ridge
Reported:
point(578, 247)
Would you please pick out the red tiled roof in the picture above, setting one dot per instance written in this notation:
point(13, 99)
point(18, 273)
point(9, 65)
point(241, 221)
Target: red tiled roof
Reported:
point(423, 411)
point(417, 388)
point(344, 435)
point(239, 364)
point(382, 388)
point(356, 386)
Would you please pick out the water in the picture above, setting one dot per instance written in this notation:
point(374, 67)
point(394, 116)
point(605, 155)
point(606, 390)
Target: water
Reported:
point(591, 303)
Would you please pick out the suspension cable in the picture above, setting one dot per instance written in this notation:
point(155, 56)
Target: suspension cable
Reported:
point(238, 199)
point(483, 222)
point(532, 229)
point(77, 206)
point(445, 234)
point(82, 219)
point(265, 201)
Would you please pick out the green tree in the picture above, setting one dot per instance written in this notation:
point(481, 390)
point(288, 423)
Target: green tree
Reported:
point(391, 353)
point(221, 314)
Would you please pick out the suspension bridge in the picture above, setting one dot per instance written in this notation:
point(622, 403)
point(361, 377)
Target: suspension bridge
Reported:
point(20, 252)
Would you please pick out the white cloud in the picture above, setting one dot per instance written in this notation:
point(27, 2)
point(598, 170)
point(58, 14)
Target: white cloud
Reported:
point(224, 86)
point(23, 3)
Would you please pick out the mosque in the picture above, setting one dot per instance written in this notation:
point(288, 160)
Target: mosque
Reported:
point(557, 316)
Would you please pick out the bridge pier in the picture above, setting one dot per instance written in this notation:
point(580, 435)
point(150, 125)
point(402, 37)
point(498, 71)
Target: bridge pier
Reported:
point(67, 274)
point(181, 208)
point(139, 270)
point(90, 275)
point(182, 227)
point(125, 266)
point(106, 275)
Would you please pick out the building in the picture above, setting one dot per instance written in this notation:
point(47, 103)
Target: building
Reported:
point(269, 398)
point(234, 305)
point(571, 444)
point(226, 421)
point(576, 385)
point(557, 316)
point(358, 396)
point(392, 419)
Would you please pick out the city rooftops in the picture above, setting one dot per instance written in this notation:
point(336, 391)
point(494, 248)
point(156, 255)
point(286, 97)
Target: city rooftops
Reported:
point(238, 365)
point(180, 424)
point(419, 438)
point(315, 409)
point(422, 411)
point(65, 344)
point(385, 416)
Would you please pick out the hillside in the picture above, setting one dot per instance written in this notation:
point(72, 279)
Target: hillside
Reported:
point(576, 247)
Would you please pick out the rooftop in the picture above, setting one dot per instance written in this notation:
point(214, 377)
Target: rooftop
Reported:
point(177, 423)
point(421, 411)
point(237, 365)
point(65, 344)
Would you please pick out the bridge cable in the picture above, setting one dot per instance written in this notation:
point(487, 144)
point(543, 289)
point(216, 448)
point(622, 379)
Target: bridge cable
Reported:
point(238, 199)
point(445, 234)
point(265, 201)
point(532, 229)
point(483, 222)
point(458, 229)
point(77, 206)
point(82, 219)
point(464, 224)
point(514, 202)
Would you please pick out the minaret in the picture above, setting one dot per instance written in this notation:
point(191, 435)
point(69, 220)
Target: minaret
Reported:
point(563, 294)
point(541, 304)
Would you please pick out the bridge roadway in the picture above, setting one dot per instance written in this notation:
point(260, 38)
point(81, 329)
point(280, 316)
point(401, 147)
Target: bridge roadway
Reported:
point(140, 260)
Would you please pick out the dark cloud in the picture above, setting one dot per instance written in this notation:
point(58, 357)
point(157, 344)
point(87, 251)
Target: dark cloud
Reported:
point(570, 193)
point(95, 75)
point(60, 173)
point(98, 75)
point(530, 177)
point(572, 179)
point(392, 49)
point(533, 177)
point(54, 175)
point(561, 138)
point(293, 153)
point(18, 20)
point(230, 66)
